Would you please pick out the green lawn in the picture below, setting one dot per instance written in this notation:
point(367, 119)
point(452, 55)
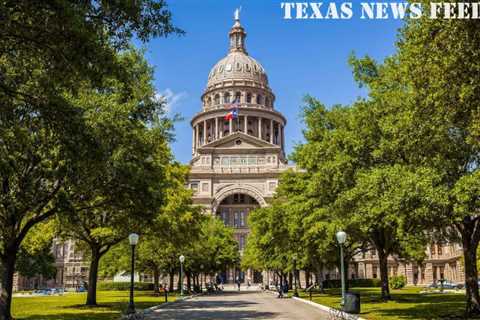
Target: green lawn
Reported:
point(407, 303)
point(70, 306)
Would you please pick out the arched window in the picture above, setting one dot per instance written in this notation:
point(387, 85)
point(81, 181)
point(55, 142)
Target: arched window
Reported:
point(226, 97)
point(249, 97)
point(238, 94)
point(259, 99)
point(209, 101)
point(217, 99)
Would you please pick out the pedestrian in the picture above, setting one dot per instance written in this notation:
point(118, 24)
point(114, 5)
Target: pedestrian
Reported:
point(285, 287)
point(280, 291)
point(238, 283)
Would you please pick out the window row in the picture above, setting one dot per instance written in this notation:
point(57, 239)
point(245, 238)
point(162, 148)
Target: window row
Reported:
point(236, 218)
point(238, 97)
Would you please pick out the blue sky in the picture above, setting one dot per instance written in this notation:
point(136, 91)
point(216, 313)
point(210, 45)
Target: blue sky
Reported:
point(300, 57)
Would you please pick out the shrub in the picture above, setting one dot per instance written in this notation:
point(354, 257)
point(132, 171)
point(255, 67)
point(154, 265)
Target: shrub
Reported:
point(111, 286)
point(397, 282)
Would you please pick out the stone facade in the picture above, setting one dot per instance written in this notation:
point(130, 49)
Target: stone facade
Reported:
point(72, 270)
point(443, 261)
point(236, 163)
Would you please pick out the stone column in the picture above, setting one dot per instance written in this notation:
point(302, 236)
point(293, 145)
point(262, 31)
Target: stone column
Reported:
point(271, 131)
point(259, 128)
point(245, 124)
point(197, 138)
point(230, 126)
point(193, 140)
point(204, 131)
point(216, 128)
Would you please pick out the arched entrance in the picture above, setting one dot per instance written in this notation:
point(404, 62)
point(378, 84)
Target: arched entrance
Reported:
point(233, 209)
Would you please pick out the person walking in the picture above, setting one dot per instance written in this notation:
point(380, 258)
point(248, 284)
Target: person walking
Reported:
point(280, 290)
point(238, 283)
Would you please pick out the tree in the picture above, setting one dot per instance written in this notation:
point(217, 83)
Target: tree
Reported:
point(361, 190)
point(177, 225)
point(428, 93)
point(35, 256)
point(390, 206)
point(123, 192)
point(46, 49)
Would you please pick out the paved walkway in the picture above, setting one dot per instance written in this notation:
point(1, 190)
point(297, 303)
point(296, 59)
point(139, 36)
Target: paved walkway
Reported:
point(240, 306)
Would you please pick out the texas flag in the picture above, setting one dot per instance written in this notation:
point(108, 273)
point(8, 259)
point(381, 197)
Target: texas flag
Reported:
point(233, 113)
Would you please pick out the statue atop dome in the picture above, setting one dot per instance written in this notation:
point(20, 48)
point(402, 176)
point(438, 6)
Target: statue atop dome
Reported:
point(237, 14)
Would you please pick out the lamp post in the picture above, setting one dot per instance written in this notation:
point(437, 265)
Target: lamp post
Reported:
point(341, 238)
point(182, 259)
point(295, 292)
point(133, 239)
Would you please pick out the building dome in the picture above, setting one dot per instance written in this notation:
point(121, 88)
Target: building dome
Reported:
point(237, 65)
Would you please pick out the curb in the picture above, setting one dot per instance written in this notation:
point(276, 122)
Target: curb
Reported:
point(340, 313)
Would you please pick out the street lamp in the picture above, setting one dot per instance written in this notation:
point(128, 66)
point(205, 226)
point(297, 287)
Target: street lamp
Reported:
point(133, 239)
point(295, 292)
point(341, 238)
point(182, 259)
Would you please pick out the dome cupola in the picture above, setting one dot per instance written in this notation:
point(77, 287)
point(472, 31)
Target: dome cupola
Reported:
point(237, 68)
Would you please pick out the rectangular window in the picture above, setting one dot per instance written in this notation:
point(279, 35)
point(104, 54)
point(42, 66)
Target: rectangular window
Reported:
point(271, 186)
point(194, 186)
point(204, 187)
point(242, 219)
point(374, 272)
point(242, 242)
point(235, 219)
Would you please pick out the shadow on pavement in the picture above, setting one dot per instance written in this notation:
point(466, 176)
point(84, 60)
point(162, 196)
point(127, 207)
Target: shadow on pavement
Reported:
point(213, 314)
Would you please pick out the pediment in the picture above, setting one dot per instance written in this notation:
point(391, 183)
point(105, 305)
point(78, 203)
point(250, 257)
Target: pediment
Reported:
point(239, 140)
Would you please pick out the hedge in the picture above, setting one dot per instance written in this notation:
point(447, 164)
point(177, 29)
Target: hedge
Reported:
point(110, 286)
point(366, 283)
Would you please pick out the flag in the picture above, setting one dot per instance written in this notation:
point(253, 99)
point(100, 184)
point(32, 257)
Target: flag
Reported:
point(233, 113)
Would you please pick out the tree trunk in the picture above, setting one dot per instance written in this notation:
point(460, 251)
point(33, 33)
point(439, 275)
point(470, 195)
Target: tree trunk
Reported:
point(470, 245)
point(189, 282)
point(156, 276)
point(92, 278)
point(171, 275)
point(297, 274)
point(7, 283)
point(179, 282)
point(383, 263)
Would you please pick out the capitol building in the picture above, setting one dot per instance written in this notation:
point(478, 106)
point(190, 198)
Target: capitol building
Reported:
point(236, 162)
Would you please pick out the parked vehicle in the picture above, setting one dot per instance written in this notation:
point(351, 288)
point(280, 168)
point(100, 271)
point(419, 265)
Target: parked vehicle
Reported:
point(447, 284)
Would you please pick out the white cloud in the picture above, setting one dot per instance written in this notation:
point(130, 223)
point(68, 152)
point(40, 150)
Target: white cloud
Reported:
point(172, 98)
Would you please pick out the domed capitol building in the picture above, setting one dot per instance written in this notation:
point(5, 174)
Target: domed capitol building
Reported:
point(238, 143)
